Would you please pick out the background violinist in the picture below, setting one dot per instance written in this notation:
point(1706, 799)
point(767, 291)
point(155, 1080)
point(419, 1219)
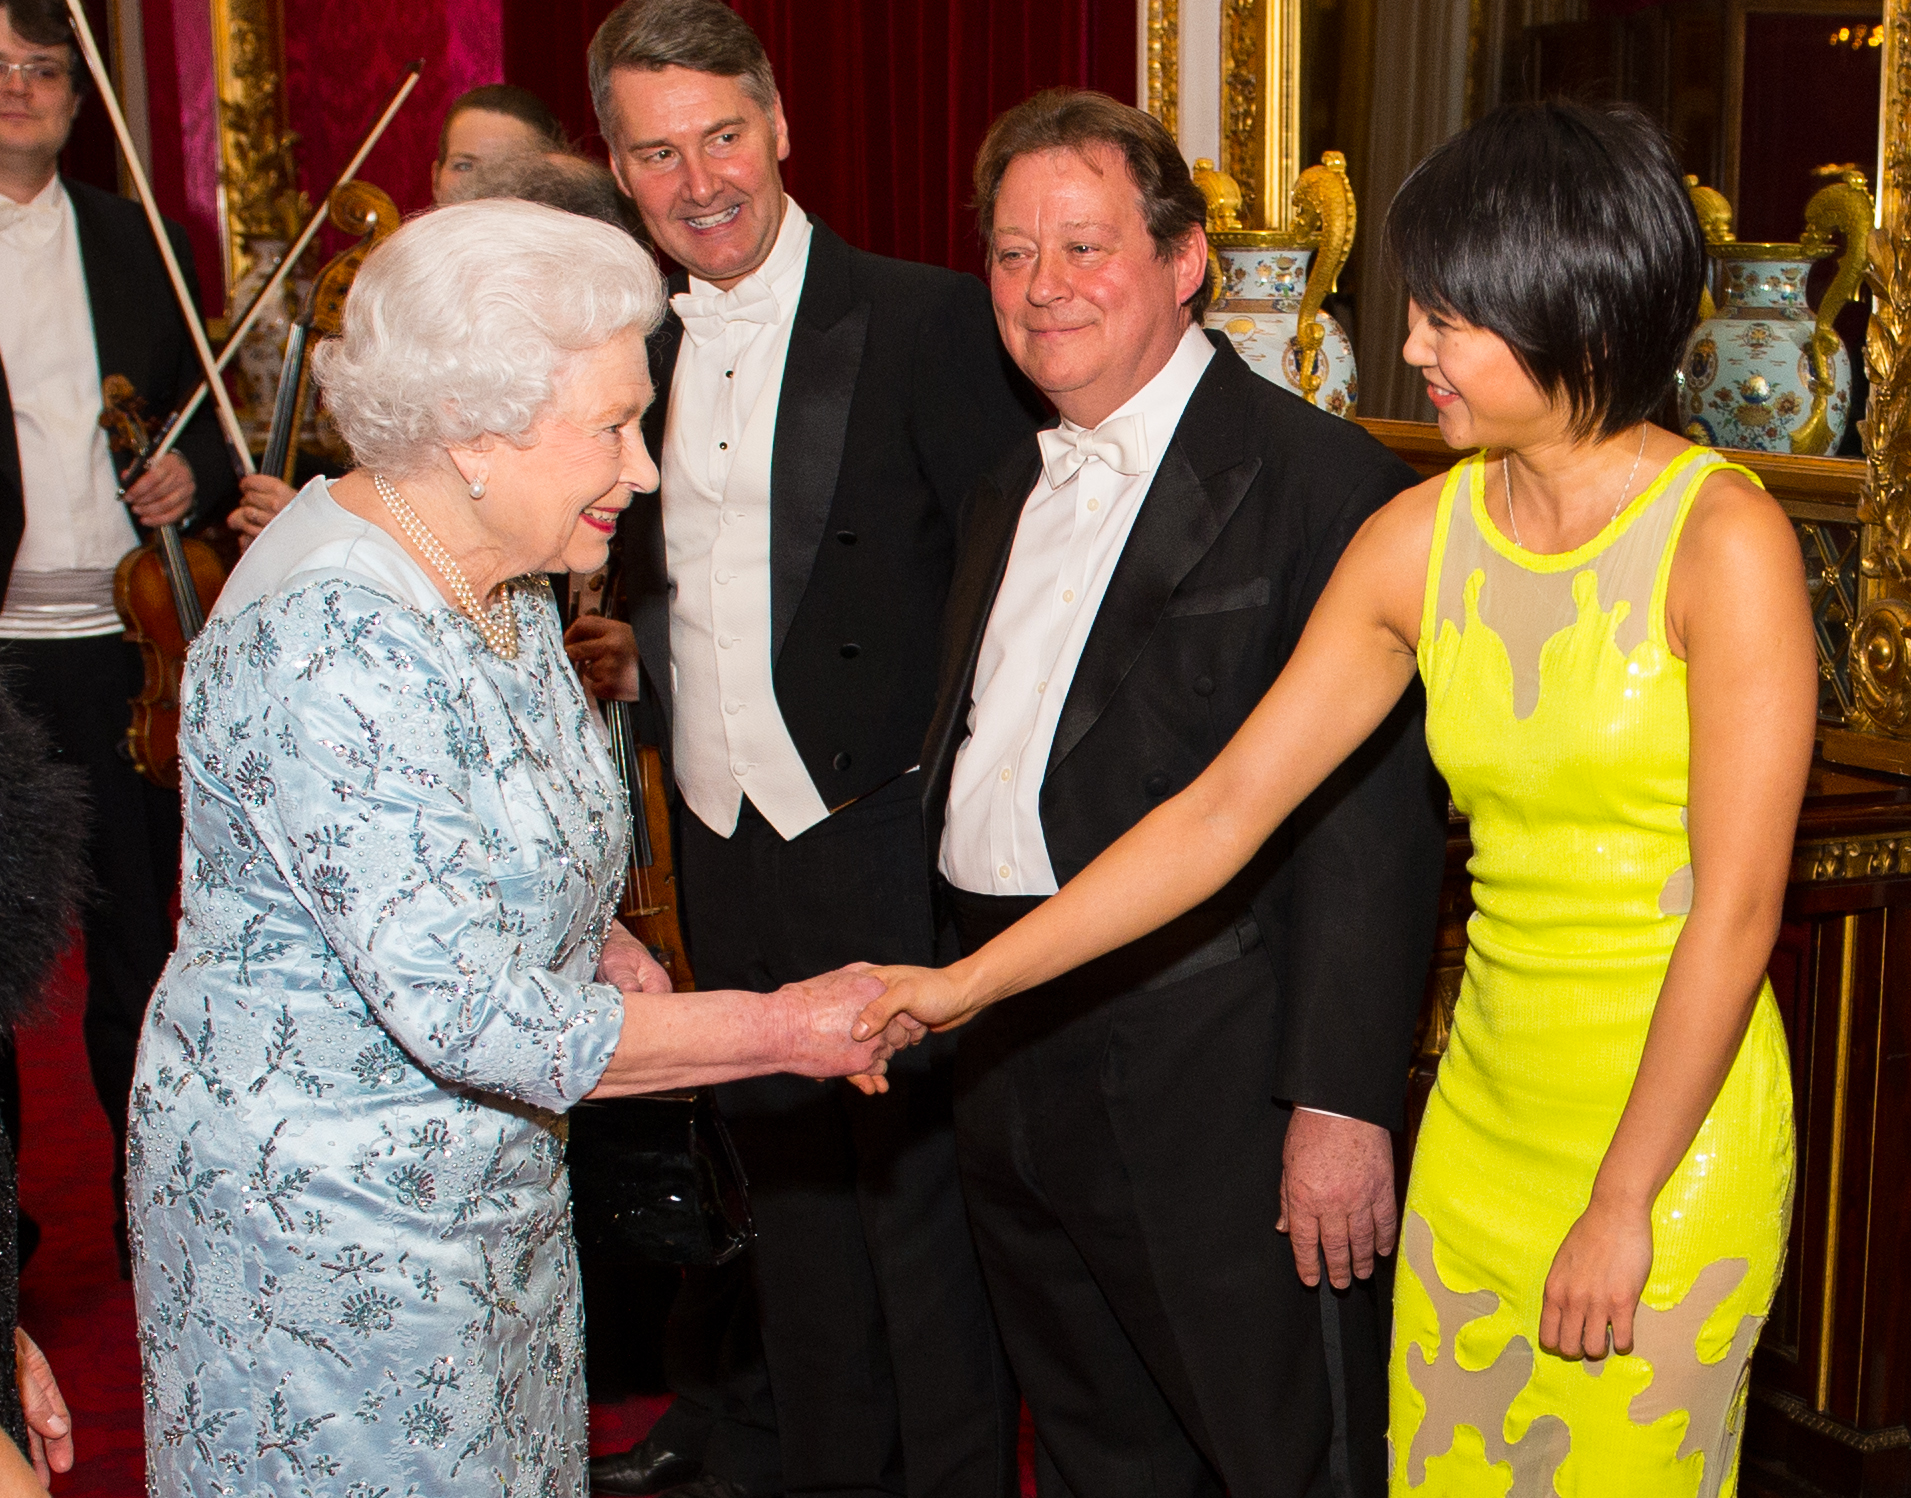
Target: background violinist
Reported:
point(87, 296)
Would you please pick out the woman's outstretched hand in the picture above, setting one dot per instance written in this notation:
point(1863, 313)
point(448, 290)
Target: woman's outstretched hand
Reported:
point(918, 998)
point(823, 1011)
point(1596, 1280)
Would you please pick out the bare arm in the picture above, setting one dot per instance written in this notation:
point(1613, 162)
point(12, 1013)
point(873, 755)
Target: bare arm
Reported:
point(1737, 579)
point(671, 1041)
point(1353, 661)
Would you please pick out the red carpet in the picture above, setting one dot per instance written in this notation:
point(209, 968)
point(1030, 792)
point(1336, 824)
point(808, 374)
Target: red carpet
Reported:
point(72, 1300)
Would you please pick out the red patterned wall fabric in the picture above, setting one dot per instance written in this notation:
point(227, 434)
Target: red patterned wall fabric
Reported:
point(887, 99)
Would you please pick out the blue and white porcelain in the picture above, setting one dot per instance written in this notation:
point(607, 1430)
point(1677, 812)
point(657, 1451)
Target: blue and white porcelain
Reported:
point(1747, 377)
point(1259, 309)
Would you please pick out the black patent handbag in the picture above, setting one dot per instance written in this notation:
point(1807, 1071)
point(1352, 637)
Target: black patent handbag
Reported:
point(658, 1176)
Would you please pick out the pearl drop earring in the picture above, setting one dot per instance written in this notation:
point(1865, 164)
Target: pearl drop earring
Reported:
point(477, 488)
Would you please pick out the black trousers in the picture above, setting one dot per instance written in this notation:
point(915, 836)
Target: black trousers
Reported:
point(880, 1371)
point(1121, 1154)
point(81, 689)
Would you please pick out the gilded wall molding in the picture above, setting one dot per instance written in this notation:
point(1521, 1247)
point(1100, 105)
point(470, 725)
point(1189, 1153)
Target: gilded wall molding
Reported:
point(1164, 63)
point(1846, 858)
point(1261, 106)
point(1881, 638)
point(258, 192)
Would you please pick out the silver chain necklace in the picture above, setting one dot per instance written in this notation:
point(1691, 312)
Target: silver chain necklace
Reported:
point(1506, 472)
point(498, 626)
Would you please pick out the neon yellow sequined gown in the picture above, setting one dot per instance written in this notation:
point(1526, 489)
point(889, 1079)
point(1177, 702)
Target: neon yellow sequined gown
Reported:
point(1557, 713)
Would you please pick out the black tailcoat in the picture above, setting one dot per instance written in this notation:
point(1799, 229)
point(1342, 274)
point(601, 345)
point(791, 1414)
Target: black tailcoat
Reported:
point(875, 1325)
point(139, 333)
point(1120, 1129)
point(896, 398)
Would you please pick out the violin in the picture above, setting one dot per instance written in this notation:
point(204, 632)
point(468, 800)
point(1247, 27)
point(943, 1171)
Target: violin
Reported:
point(163, 602)
point(649, 905)
point(163, 591)
point(368, 213)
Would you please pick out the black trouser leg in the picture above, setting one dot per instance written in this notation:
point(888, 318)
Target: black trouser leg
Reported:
point(1121, 1154)
point(877, 1335)
point(81, 689)
point(1105, 1428)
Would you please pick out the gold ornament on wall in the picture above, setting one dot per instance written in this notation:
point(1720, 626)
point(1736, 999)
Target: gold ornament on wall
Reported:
point(1881, 639)
point(1164, 63)
point(1261, 109)
point(258, 193)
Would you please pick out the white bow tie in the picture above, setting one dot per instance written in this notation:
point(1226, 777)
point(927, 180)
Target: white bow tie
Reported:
point(705, 317)
point(1122, 444)
point(34, 222)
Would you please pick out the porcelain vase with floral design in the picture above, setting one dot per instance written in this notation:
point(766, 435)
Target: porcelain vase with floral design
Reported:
point(1747, 376)
point(1259, 309)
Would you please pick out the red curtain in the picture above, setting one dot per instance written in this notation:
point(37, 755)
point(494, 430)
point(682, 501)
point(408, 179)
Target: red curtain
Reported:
point(887, 99)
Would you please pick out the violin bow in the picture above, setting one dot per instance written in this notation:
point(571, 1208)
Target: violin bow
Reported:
point(228, 418)
point(168, 433)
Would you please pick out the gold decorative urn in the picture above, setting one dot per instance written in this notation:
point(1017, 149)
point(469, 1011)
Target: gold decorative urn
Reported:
point(1762, 370)
point(1270, 283)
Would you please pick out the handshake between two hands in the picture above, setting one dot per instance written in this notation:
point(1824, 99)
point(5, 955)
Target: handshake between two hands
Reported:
point(846, 1023)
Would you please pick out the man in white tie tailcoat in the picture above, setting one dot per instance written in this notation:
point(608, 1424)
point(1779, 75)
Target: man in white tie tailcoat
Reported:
point(821, 417)
point(1166, 1153)
point(84, 294)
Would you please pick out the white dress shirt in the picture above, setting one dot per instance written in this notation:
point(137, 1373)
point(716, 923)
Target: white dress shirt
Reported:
point(1069, 539)
point(77, 527)
point(729, 738)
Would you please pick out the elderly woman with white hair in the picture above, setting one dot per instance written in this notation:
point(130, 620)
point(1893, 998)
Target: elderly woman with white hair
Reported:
point(398, 964)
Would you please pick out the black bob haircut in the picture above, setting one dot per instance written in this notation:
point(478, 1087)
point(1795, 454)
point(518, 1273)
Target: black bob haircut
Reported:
point(1565, 229)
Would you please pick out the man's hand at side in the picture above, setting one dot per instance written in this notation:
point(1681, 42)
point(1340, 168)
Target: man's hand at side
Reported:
point(1337, 1196)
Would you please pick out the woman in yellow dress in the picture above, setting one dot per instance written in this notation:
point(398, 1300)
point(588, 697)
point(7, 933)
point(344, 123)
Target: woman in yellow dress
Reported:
point(1612, 628)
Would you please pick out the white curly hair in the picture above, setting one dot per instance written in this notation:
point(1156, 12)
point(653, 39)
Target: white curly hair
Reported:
point(459, 326)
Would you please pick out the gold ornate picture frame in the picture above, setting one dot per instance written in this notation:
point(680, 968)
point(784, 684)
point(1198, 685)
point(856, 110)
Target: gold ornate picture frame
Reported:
point(1879, 663)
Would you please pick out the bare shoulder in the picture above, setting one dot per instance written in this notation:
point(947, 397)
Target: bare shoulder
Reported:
point(1735, 527)
point(1738, 566)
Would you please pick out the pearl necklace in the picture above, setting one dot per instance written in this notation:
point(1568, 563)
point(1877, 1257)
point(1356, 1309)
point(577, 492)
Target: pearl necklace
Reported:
point(498, 626)
point(1506, 472)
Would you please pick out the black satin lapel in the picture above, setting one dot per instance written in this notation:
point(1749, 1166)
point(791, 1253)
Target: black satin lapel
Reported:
point(812, 423)
point(981, 561)
point(647, 586)
point(1180, 520)
point(120, 324)
point(645, 561)
point(661, 351)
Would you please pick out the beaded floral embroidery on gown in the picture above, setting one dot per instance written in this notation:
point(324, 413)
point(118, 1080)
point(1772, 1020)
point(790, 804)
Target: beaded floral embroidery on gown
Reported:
point(351, 1221)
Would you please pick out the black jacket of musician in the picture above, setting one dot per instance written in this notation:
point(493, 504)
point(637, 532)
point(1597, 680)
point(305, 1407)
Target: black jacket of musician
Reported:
point(896, 398)
point(1255, 499)
point(138, 332)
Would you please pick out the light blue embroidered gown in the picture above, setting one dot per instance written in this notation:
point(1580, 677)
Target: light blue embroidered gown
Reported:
point(351, 1222)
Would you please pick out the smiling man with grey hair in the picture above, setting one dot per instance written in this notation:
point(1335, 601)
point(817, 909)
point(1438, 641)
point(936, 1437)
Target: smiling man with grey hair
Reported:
point(821, 416)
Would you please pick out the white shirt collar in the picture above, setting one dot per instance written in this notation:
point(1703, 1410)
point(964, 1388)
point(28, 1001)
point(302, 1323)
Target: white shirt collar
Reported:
point(782, 270)
point(1160, 402)
point(31, 224)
